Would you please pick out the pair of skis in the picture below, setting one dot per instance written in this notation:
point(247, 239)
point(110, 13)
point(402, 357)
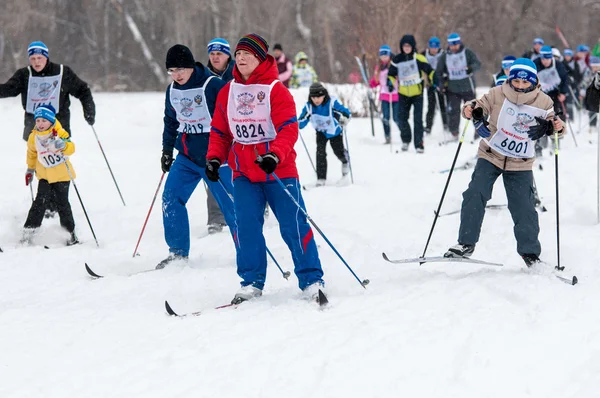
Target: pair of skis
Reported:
point(422, 260)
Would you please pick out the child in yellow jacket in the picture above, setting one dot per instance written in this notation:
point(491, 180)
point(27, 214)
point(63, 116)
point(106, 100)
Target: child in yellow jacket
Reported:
point(48, 147)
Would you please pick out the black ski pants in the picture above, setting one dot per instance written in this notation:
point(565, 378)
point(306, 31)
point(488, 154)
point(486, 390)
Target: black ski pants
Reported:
point(434, 97)
point(454, 102)
point(337, 144)
point(57, 191)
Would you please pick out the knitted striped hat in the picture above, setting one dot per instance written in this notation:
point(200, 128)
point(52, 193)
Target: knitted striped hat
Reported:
point(254, 44)
point(46, 112)
point(218, 44)
point(37, 47)
point(524, 69)
point(546, 52)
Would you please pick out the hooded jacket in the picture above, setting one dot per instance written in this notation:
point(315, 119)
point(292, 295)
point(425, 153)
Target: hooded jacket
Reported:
point(492, 105)
point(51, 174)
point(194, 146)
point(283, 115)
point(425, 70)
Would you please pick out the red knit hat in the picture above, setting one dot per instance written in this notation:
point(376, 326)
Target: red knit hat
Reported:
point(254, 44)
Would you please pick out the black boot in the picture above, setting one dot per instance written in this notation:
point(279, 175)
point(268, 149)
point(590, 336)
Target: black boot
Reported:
point(72, 239)
point(460, 250)
point(531, 259)
point(172, 257)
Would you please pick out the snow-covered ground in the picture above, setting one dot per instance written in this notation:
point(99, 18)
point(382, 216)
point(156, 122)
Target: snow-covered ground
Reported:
point(437, 330)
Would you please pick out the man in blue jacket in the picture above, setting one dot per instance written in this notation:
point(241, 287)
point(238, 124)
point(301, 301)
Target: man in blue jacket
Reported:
point(189, 106)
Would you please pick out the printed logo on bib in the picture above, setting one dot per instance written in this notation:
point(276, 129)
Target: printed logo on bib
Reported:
point(47, 88)
point(186, 107)
point(261, 96)
point(522, 123)
point(244, 104)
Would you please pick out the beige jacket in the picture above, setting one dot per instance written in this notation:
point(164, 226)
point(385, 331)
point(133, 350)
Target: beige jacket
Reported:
point(492, 104)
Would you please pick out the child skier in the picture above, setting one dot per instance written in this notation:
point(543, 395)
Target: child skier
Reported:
point(328, 117)
point(48, 148)
point(303, 74)
point(380, 79)
point(519, 113)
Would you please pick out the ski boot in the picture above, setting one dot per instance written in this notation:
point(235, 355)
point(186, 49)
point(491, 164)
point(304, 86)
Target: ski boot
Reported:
point(72, 239)
point(345, 169)
point(531, 259)
point(172, 257)
point(214, 228)
point(246, 293)
point(321, 182)
point(460, 250)
point(27, 237)
point(404, 146)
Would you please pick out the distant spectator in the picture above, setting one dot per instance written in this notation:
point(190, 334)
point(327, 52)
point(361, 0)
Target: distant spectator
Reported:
point(284, 65)
point(303, 75)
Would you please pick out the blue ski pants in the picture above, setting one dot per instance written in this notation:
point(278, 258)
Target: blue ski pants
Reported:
point(250, 199)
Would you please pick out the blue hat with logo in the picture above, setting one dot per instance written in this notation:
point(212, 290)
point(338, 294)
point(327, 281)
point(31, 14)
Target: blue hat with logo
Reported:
point(583, 48)
point(594, 61)
point(219, 44)
point(568, 52)
point(453, 39)
point(385, 50)
point(538, 40)
point(546, 52)
point(434, 42)
point(508, 61)
point(46, 112)
point(501, 80)
point(37, 47)
point(524, 69)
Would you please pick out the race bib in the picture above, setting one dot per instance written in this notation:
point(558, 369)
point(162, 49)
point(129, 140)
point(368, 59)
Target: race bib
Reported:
point(304, 77)
point(45, 152)
point(408, 73)
point(43, 90)
point(191, 109)
point(511, 138)
point(324, 123)
point(249, 113)
point(549, 79)
point(457, 65)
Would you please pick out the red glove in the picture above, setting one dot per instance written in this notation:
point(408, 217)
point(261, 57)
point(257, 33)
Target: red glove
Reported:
point(29, 176)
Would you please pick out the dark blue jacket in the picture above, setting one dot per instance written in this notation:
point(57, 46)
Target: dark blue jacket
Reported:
point(194, 146)
point(563, 87)
point(227, 75)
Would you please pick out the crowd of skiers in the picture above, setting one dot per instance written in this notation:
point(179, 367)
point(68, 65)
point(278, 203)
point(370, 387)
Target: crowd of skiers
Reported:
point(234, 125)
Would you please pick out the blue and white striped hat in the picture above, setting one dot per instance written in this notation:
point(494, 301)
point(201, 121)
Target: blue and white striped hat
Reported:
point(546, 52)
point(582, 48)
point(453, 39)
point(594, 61)
point(538, 40)
point(524, 69)
point(219, 44)
point(37, 47)
point(568, 52)
point(385, 50)
point(46, 112)
point(508, 61)
point(501, 80)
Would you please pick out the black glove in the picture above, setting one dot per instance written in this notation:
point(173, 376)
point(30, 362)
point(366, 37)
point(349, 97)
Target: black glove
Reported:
point(212, 169)
point(390, 85)
point(542, 128)
point(90, 118)
point(267, 162)
point(165, 161)
point(469, 70)
point(480, 123)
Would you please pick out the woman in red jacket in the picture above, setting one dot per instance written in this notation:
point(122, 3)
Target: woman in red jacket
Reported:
point(255, 115)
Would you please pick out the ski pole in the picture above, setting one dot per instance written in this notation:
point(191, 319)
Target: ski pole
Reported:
point(569, 122)
point(460, 142)
point(162, 177)
point(598, 171)
point(390, 125)
point(31, 190)
point(558, 267)
point(109, 169)
point(307, 153)
point(81, 202)
point(364, 282)
point(348, 154)
point(286, 274)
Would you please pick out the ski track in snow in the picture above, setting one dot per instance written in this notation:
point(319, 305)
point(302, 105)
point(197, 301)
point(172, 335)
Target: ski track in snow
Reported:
point(437, 330)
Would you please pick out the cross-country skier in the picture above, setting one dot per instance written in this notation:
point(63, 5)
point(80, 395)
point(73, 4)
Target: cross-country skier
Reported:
point(328, 117)
point(48, 149)
point(407, 69)
point(434, 94)
point(255, 126)
point(508, 118)
point(380, 79)
point(189, 106)
point(534, 53)
point(574, 78)
point(591, 79)
point(46, 83)
point(505, 68)
point(592, 96)
point(303, 74)
point(457, 66)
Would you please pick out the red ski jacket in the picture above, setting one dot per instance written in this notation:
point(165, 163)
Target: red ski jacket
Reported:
point(283, 115)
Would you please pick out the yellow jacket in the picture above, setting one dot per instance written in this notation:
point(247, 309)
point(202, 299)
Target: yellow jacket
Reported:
point(44, 139)
point(425, 71)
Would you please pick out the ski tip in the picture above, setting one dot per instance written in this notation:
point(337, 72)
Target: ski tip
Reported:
point(385, 257)
point(169, 309)
point(322, 299)
point(46, 247)
point(575, 280)
point(92, 273)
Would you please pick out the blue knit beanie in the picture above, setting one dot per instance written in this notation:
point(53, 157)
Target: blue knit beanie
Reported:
point(219, 44)
point(525, 69)
point(37, 47)
point(453, 39)
point(434, 42)
point(508, 61)
point(546, 52)
point(385, 50)
point(46, 112)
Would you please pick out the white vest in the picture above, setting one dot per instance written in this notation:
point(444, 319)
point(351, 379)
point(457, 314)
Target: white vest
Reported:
point(511, 138)
point(433, 59)
point(304, 77)
point(43, 90)
point(408, 72)
point(325, 124)
point(549, 78)
point(44, 146)
point(249, 113)
point(457, 65)
point(191, 108)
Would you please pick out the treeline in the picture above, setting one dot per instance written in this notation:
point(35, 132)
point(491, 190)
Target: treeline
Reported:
point(119, 45)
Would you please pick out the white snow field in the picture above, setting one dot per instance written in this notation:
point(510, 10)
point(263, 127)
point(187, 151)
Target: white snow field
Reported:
point(436, 330)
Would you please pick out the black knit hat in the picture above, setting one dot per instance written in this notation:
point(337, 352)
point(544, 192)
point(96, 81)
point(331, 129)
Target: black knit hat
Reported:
point(317, 90)
point(277, 46)
point(179, 56)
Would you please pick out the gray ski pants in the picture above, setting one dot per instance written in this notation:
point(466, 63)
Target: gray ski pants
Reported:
point(521, 204)
point(215, 216)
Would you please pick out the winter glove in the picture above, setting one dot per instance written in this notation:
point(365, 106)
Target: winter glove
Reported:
point(165, 161)
point(469, 70)
point(390, 85)
point(267, 162)
point(343, 120)
point(29, 176)
point(542, 128)
point(90, 118)
point(212, 169)
point(480, 123)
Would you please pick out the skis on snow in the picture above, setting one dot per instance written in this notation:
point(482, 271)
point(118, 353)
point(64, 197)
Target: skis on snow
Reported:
point(321, 300)
point(98, 276)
